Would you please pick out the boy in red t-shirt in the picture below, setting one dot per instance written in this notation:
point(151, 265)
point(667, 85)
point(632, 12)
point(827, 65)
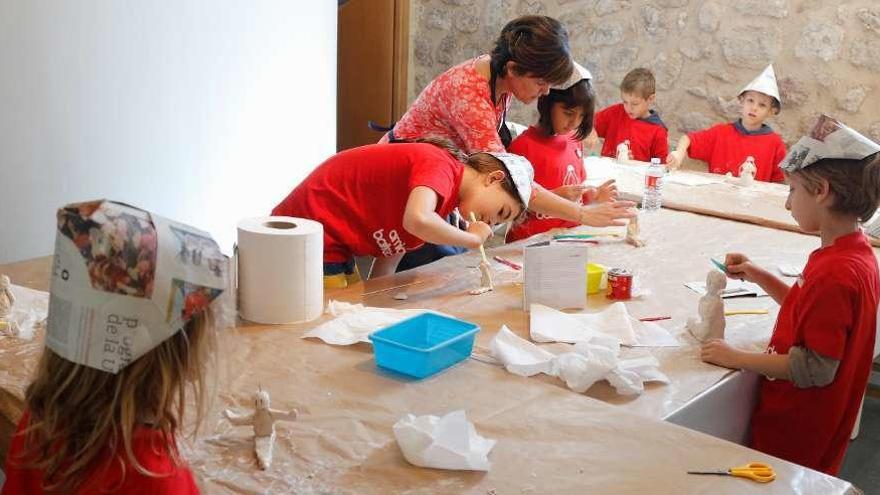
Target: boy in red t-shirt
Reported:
point(633, 121)
point(384, 200)
point(819, 357)
point(554, 148)
point(726, 147)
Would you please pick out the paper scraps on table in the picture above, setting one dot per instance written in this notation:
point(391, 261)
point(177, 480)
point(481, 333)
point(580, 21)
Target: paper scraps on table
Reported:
point(686, 179)
point(549, 325)
point(735, 288)
point(355, 322)
point(447, 442)
point(588, 363)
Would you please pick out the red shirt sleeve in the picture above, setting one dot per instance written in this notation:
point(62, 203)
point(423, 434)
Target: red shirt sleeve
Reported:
point(434, 174)
point(600, 121)
point(826, 316)
point(702, 144)
point(778, 175)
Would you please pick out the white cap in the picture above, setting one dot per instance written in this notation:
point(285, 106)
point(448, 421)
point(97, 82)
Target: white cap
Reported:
point(765, 83)
point(124, 281)
point(521, 173)
point(829, 138)
point(577, 75)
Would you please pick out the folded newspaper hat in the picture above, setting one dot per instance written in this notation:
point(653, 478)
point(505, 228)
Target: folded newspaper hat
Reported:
point(765, 83)
point(829, 138)
point(520, 171)
point(124, 280)
point(577, 75)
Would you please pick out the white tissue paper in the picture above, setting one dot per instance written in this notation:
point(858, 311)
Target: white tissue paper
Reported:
point(448, 442)
point(549, 325)
point(29, 311)
point(355, 322)
point(588, 363)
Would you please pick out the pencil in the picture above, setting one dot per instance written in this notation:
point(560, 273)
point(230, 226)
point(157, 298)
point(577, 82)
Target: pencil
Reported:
point(507, 262)
point(655, 318)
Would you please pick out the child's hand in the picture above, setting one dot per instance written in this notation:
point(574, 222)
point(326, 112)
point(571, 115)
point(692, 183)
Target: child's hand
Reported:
point(740, 267)
point(481, 230)
point(572, 193)
point(607, 214)
point(604, 193)
point(720, 353)
point(674, 160)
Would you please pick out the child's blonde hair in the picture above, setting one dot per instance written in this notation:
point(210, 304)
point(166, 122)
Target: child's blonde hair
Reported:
point(78, 414)
point(640, 82)
point(854, 183)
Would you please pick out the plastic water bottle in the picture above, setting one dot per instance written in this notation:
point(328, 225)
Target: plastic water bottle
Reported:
point(571, 179)
point(653, 182)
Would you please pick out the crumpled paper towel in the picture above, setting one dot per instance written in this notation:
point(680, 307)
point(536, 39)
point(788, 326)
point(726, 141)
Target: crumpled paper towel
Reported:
point(448, 442)
point(612, 324)
point(355, 322)
point(588, 363)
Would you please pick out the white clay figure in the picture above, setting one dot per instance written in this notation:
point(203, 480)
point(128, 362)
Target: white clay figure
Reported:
point(263, 419)
point(623, 153)
point(7, 300)
point(747, 171)
point(632, 233)
point(711, 310)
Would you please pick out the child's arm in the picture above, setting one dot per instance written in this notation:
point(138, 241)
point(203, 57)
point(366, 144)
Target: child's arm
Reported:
point(599, 215)
point(421, 220)
point(739, 266)
point(721, 353)
point(605, 192)
point(676, 158)
point(385, 266)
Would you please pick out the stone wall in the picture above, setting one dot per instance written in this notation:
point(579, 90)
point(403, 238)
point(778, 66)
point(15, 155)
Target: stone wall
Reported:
point(826, 56)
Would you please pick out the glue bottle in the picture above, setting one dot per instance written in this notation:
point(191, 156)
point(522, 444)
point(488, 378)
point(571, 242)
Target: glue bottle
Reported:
point(571, 179)
point(653, 181)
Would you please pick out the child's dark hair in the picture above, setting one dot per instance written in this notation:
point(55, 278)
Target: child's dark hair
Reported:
point(855, 183)
point(538, 45)
point(579, 95)
point(640, 82)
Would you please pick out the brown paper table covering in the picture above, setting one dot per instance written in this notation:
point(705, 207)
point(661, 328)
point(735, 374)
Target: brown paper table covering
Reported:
point(762, 203)
point(550, 439)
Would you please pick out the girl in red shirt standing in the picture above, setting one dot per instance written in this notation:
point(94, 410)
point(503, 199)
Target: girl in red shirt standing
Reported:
point(385, 200)
point(555, 149)
point(128, 332)
point(819, 357)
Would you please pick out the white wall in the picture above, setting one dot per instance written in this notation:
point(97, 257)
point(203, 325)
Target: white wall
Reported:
point(204, 111)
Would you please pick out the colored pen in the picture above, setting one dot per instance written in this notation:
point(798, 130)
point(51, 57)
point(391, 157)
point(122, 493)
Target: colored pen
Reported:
point(655, 318)
point(721, 266)
point(572, 236)
point(582, 241)
point(507, 262)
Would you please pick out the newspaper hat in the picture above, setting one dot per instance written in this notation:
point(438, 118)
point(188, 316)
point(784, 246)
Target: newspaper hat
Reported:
point(124, 280)
point(520, 171)
point(577, 75)
point(765, 83)
point(829, 138)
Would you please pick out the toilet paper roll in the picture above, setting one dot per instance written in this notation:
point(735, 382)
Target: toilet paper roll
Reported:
point(280, 269)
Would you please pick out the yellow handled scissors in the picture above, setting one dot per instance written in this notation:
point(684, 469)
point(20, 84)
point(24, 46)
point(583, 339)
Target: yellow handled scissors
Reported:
point(755, 471)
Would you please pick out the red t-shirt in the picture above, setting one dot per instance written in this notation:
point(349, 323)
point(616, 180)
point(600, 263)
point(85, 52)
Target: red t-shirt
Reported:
point(726, 146)
point(359, 196)
point(148, 447)
point(831, 310)
point(648, 137)
point(550, 156)
point(458, 106)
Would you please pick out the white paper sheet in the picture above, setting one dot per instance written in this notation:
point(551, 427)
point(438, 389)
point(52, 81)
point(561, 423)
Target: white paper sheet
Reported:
point(447, 442)
point(30, 310)
point(686, 179)
point(735, 288)
point(550, 325)
point(519, 356)
point(355, 322)
point(555, 275)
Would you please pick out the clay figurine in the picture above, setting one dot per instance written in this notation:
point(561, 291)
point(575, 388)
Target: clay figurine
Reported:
point(263, 419)
point(747, 172)
point(7, 300)
point(632, 233)
point(623, 153)
point(711, 310)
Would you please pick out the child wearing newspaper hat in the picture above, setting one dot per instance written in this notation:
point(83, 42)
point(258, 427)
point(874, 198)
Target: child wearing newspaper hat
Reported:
point(817, 364)
point(727, 147)
point(133, 313)
point(382, 201)
point(554, 147)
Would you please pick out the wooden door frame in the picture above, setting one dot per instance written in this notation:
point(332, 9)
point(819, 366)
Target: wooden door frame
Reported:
point(400, 64)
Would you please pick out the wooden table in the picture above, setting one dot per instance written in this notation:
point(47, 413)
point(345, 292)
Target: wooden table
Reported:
point(550, 439)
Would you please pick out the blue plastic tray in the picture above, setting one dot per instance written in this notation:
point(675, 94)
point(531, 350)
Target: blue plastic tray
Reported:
point(424, 344)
